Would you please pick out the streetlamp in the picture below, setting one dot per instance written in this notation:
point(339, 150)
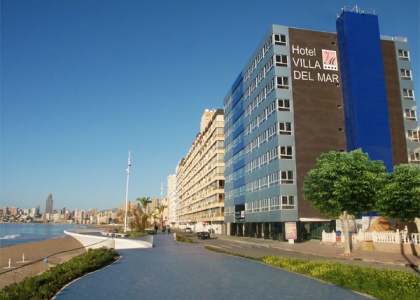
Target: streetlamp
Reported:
point(126, 192)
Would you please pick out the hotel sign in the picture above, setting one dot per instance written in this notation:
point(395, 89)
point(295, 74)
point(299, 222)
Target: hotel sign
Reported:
point(308, 66)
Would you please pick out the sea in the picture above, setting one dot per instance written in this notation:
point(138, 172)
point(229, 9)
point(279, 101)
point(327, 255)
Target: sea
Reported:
point(21, 233)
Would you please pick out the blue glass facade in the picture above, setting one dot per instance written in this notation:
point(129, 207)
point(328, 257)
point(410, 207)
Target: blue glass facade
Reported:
point(363, 85)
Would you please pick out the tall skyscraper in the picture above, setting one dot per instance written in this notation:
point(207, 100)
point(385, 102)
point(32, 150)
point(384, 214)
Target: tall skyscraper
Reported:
point(304, 93)
point(49, 205)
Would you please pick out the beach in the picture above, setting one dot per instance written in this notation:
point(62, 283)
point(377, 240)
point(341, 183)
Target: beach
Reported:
point(58, 250)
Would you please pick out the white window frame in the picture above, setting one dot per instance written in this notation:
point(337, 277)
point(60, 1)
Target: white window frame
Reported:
point(286, 152)
point(415, 157)
point(405, 74)
point(283, 104)
point(413, 135)
point(280, 39)
point(286, 177)
point(264, 205)
point(281, 60)
point(403, 54)
point(282, 82)
point(408, 94)
point(287, 202)
point(274, 203)
point(248, 207)
point(285, 128)
point(410, 115)
point(256, 206)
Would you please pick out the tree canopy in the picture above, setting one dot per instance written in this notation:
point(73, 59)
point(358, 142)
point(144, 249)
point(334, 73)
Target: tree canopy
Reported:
point(343, 184)
point(343, 181)
point(399, 197)
point(144, 201)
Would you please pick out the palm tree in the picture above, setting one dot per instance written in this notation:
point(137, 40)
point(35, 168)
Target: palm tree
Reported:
point(161, 208)
point(144, 201)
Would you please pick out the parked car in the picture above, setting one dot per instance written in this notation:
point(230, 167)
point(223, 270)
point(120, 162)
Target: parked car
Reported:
point(188, 229)
point(204, 235)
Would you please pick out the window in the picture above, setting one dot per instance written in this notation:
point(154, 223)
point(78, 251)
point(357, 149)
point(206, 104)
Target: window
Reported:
point(248, 207)
point(282, 82)
point(413, 135)
point(256, 206)
point(415, 157)
point(403, 54)
point(410, 115)
point(280, 39)
point(286, 152)
point(272, 154)
point(272, 131)
point(273, 179)
point(263, 159)
point(408, 94)
point(283, 104)
point(264, 204)
point(287, 202)
point(285, 128)
point(274, 203)
point(281, 60)
point(263, 182)
point(286, 177)
point(268, 66)
point(267, 45)
point(405, 74)
point(269, 87)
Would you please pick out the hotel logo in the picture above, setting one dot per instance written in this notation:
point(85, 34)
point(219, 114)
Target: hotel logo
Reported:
point(329, 60)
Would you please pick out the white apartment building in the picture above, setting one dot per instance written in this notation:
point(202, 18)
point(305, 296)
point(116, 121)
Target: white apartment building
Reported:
point(200, 177)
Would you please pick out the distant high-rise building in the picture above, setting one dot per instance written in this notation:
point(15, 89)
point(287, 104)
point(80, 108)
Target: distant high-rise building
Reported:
point(49, 205)
point(14, 211)
point(5, 211)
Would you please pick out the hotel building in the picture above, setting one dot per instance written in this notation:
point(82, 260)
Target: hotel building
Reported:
point(303, 93)
point(200, 177)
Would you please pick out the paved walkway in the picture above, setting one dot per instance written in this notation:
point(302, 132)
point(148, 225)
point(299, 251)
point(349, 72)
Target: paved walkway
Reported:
point(174, 270)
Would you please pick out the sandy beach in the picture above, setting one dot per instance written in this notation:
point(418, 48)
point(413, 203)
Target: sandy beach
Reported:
point(57, 250)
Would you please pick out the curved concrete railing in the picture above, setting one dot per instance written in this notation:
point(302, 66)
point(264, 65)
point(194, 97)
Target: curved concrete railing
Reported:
point(91, 241)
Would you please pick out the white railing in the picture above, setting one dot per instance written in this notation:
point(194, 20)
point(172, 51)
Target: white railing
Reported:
point(397, 237)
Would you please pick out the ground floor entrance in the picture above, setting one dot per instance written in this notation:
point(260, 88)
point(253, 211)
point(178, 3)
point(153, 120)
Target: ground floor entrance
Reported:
point(280, 230)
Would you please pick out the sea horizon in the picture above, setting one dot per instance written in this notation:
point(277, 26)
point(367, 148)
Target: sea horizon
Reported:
point(22, 233)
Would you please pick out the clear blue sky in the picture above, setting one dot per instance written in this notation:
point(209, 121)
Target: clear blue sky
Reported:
point(85, 81)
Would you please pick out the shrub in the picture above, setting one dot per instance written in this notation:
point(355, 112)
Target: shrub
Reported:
point(379, 283)
point(182, 238)
point(46, 285)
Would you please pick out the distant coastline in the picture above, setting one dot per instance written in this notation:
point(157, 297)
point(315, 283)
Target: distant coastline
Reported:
point(12, 234)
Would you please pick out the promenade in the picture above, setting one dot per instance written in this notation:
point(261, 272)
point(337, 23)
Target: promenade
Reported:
point(174, 270)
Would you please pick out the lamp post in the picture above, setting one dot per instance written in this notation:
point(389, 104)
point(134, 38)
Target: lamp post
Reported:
point(126, 193)
point(211, 222)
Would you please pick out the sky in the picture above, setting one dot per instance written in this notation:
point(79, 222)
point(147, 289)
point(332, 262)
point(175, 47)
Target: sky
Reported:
point(83, 82)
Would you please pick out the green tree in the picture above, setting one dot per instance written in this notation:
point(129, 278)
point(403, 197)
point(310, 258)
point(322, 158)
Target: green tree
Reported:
point(399, 197)
point(161, 208)
point(144, 201)
point(343, 184)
